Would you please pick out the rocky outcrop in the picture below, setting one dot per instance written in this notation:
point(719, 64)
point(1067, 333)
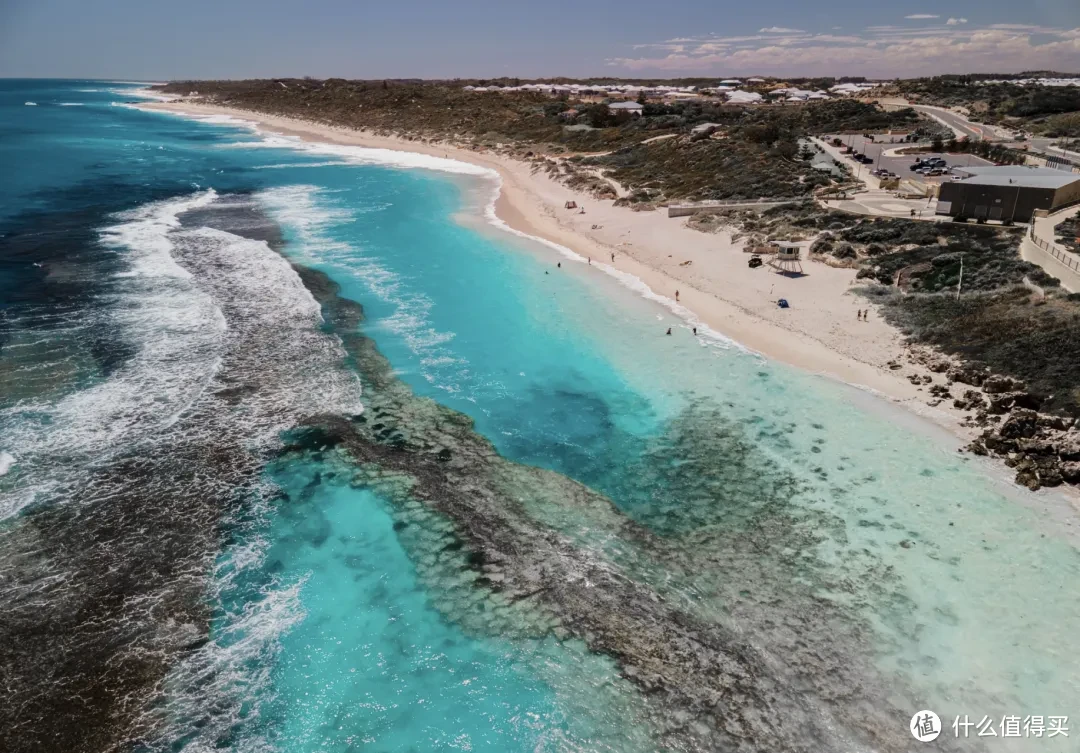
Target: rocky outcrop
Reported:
point(1043, 449)
point(996, 384)
point(971, 400)
point(966, 375)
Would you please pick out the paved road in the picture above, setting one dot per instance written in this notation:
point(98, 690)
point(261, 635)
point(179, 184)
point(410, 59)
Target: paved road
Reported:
point(959, 123)
point(899, 164)
point(1050, 148)
point(1061, 263)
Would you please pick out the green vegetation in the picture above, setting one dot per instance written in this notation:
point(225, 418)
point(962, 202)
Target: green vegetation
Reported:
point(991, 255)
point(986, 150)
point(998, 322)
point(754, 154)
point(1068, 234)
point(731, 168)
point(1037, 107)
point(1065, 125)
point(1008, 330)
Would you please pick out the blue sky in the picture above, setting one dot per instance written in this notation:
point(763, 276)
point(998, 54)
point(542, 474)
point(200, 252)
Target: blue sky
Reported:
point(479, 38)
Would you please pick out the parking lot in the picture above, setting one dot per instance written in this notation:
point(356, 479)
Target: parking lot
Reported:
point(881, 151)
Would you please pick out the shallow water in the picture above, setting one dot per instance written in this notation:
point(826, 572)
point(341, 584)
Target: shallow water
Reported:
point(838, 567)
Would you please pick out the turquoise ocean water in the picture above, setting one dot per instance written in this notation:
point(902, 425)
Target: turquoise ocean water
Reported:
point(499, 510)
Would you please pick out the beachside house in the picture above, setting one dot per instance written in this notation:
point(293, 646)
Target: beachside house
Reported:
point(741, 97)
point(633, 108)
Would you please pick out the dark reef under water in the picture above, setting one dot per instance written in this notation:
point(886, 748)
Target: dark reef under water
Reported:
point(707, 601)
point(700, 583)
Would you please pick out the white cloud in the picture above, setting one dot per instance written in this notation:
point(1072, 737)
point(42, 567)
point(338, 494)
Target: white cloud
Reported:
point(779, 30)
point(881, 52)
point(921, 16)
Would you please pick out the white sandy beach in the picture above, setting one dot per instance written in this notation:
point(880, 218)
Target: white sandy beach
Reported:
point(819, 333)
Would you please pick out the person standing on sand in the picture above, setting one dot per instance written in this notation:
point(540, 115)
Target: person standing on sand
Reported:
point(590, 260)
point(676, 296)
point(612, 257)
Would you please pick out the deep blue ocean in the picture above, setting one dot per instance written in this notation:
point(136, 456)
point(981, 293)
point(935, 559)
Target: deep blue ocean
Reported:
point(298, 451)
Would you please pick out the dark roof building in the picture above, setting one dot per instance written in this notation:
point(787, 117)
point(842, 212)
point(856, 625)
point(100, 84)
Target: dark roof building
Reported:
point(1008, 194)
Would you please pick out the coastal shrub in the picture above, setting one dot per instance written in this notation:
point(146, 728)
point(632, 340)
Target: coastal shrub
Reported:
point(1005, 331)
point(993, 102)
point(1066, 125)
point(891, 231)
point(1067, 234)
point(756, 159)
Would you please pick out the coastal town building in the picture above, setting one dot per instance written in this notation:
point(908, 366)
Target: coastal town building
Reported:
point(1008, 194)
point(727, 89)
point(633, 108)
point(744, 98)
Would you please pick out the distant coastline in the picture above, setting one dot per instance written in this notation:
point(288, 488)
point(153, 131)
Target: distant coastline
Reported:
point(819, 334)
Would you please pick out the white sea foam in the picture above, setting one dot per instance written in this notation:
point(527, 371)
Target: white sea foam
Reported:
point(30, 104)
point(310, 214)
point(145, 92)
point(232, 676)
point(353, 155)
point(286, 165)
point(414, 160)
point(70, 104)
point(174, 331)
point(7, 460)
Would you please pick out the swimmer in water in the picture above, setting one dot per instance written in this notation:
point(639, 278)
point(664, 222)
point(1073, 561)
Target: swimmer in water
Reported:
point(669, 330)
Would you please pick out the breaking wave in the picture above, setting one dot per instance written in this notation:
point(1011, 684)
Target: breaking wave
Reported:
point(174, 332)
point(310, 215)
point(140, 472)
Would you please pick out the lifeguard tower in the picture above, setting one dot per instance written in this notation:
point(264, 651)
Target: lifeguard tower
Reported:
point(788, 258)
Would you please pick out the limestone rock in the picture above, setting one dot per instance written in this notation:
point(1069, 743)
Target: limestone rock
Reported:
point(996, 384)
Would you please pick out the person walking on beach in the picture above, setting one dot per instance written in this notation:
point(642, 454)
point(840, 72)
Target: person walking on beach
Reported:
point(669, 330)
point(676, 296)
point(612, 257)
point(590, 260)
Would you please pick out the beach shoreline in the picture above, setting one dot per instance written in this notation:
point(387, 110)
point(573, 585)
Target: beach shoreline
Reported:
point(716, 290)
